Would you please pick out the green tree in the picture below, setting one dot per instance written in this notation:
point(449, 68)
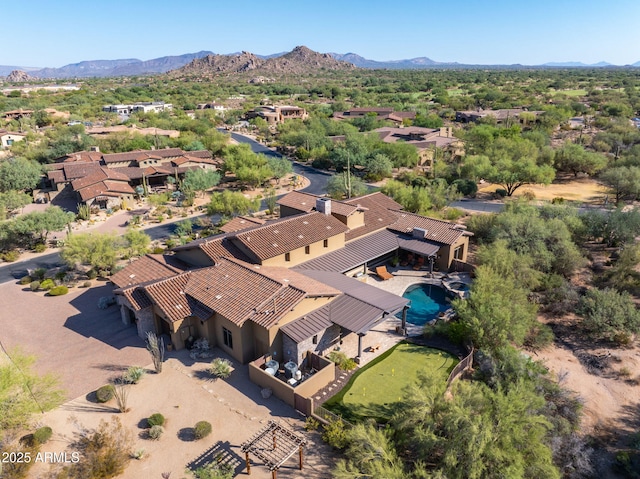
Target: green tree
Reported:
point(100, 251)
point(200, 180)
point(279, 166)
point(230, 203)
point(511, 163)
point(136, 243)
point(510, 265)
point(573, 158)
point(271, 200)
point(23, 391)
point(11, 201)
point(378, 166)
point(19, 174)
point(609, 315)
point(624, 181)
point(614, 228)
point(345, 185)
point(40, 224)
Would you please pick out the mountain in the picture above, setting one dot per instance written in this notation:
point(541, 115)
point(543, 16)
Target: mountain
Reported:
point(636, 64)
point(576, 64)
point(299, 60)
point(19, 76)
point(7, 69)
point(413, 63)
point(123, 67)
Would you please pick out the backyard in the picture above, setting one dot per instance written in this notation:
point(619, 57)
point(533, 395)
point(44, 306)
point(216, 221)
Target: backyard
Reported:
point(374, 389)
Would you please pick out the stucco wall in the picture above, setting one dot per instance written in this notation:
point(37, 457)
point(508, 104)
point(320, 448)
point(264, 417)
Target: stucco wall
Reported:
point(327, 339)
point(195, 257)
point(299, 255)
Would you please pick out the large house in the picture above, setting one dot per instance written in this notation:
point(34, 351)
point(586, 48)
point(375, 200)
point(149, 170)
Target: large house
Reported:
point(8, 138)
point(275, 114)
point(426, 140)
point(500, 116)
point(388, 114)
point(143, 107)
point(113, 177)
point(285, 287)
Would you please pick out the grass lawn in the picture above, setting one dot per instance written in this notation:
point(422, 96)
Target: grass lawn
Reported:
point(374, 390)
point(573, 92)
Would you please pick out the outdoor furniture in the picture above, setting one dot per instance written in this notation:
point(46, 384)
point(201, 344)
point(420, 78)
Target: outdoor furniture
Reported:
point(382, 272)
point(419, 263)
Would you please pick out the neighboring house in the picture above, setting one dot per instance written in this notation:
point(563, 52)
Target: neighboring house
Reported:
point(8, 138)
point(144, 107)
point(217, 107)
point(17, 114)
point(151, 167)
point(426, 140)
point(389, 114)
point(108, 130)
point(501, 116)
point(284, 287)
point(104, 188)
point(277, 114)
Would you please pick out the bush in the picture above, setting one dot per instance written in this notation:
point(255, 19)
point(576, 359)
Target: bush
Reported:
point(58, 290)
point(11, 256)
point(47, 284)
point(105, 393)
point(105, 301)
point(156, 419)
point(220, 368)
point(25, 280)
point(86, 284)
point(40, 248)
point(155, 432)
point(466, 187)
point(34, 285)
point(311, 424)
point(215, 470)
point(528, 195)
point(501, 192)
point(42, 434)
point(341, 359)
point(335, 434)
point(202, 429)
point(39, 273)
point(134, 374)
point(92, 274)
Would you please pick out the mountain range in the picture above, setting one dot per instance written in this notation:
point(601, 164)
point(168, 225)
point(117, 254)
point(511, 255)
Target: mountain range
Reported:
point(245, 61)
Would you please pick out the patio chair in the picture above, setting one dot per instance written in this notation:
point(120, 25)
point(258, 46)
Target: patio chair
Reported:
point(382, 272)
point(419, 263)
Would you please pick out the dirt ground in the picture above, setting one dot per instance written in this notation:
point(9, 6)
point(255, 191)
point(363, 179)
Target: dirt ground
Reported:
point(185, 394)
point(583, 190)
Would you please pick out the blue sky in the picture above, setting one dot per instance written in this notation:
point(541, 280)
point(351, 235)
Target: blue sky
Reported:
point(53, 33)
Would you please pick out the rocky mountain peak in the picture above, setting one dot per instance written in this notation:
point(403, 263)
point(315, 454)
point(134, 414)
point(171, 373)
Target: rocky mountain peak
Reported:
point(19, 76)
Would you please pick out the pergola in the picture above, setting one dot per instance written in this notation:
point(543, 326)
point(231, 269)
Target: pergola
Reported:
point(274, 445)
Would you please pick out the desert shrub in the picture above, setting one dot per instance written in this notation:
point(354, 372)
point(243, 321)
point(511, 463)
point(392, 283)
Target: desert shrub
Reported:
point(609, 315)
point(105, 301)
point(220, 368)
point(18, 469)
point(58, 290)
point(86, 284)
point(157, 250)
point(156, 419)
point(311, 424)
point(104, 452)
point(42, 434)
point(202, 429)
point(104, 393)
point(214, 470)
point(155, 432)
point(501, 192)
point(84, 212)
point(11, 256)
point(138, 454)
point(40, 248)
point(528, 195)
point(92, 274)
point(25, 280)
point(466, 187)
point(134, 374)
point(39, 273)
point(34, 285)
point(335, 434)
point(341, 359)
point(452, 214)
point(61, 275)
point(47, 284)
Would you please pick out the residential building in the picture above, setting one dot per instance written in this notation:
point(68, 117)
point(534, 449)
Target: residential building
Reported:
point(144, 107)
point(277, 114)
point(501, 116)
point(8, 138)
point(286, 287)
point(388, 114)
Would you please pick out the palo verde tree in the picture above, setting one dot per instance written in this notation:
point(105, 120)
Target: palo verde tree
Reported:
point(231, 203)
point(19, 174)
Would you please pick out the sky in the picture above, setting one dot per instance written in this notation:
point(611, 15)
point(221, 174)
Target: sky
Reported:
point(54, 33)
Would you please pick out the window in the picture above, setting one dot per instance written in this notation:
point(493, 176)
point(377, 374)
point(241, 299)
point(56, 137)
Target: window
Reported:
point(325, 243)
point(457, 253)
point(315, 339)
point(227, 338)
point(287, 256)
point(306, 249)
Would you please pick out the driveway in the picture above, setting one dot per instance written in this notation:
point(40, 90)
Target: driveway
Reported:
point(70, 336)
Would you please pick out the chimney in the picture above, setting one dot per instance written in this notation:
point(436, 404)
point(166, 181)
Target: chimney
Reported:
point(323, 205)
point(419, 233)
point(443, 131)
point(95, 149)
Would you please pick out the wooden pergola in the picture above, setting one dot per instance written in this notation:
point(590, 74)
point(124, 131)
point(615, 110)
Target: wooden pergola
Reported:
point(274, 445)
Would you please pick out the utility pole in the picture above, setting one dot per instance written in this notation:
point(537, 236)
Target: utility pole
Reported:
point(348, 175)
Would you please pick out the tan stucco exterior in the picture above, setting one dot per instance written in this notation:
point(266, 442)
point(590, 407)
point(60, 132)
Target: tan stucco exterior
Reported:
point(306, 253)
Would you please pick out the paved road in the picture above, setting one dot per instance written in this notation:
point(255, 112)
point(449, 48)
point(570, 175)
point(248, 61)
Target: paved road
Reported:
point(13, 271)
point(478, 205)
point(318, 179)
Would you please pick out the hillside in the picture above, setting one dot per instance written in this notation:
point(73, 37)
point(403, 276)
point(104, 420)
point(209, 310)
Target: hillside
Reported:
point(298, 61)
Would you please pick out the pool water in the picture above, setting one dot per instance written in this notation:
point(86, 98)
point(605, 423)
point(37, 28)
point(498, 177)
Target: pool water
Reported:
point(427, 300)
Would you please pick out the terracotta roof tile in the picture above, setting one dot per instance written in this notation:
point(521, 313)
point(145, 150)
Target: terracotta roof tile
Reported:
point(376, 214)
point(289, 233)
point(147, 268)
point(297, 280)
point(240, 223)
point(303, 202)
point(169, 295)
point(438, 231)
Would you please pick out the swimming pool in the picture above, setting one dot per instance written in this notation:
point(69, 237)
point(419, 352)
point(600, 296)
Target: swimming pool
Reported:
point(427, 300)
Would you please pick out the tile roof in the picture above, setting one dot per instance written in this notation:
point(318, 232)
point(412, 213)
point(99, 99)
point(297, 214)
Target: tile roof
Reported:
point(289, 233)
point(147, 268)
point(96, 176)
point(297, 280)
point(141, 154)
point(136, 296)
point(83, 156)
point(169, 295)
point(308, 325)
point(300, 201)
point(376, 215)
point(240, 223)
point(73, 171)
point(438, 231)
point(105, 188)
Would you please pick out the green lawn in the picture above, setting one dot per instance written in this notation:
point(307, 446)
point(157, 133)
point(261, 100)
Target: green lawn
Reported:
point(573, 92)
point(374, 390)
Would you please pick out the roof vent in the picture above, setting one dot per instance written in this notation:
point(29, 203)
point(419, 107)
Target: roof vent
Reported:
point(419, 233)
point(218, 296)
